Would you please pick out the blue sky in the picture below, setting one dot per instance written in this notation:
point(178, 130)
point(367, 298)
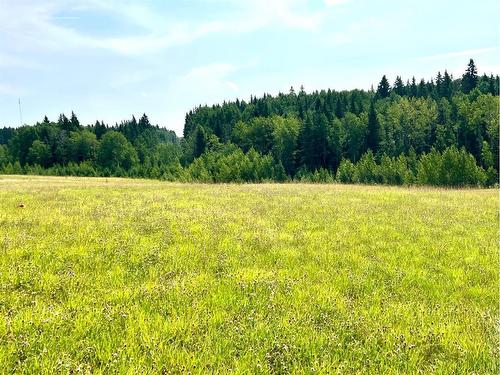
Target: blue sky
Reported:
point(109, 59)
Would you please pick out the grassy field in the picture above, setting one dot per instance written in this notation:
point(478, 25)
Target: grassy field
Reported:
point(129, 276)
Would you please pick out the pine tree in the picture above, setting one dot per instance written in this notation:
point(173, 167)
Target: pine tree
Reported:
point(143, 123)
point(399, 87)
point(352, 105)
point(200, 142)
point(447, 85)
point(373, 129)
point(439, 85)
point(75, 124)
point(63, 122)
point(492, 85)
point(320, 141)
point(431, 88)
point(383, 89)
point(422, 89)
point(339, 108)
point(469, 79)
point(99, 129)
point(46, 120)
point(413, 91)
point(305, 145)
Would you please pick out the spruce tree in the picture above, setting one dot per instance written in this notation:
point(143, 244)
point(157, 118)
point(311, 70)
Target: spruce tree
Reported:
point(63, 122)
point(447, 85)
point(339, 108)
point(439, 85)
point(143, 123)
point(373, 129)
point(305, 144)
point(200, 142)
point(469, 79)
point(320, 141)
point(413, 88)
point(75, 124)
point(383, 89)
point(399, 87)
point(422, 89)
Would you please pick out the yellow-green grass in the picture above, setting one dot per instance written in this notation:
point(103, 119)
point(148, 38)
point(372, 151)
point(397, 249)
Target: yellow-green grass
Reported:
point(130, 276)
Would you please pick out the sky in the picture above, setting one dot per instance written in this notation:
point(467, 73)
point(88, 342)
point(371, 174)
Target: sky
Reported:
point(111, 59)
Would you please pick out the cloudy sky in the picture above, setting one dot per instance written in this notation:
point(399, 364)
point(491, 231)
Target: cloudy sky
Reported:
point(109, 59)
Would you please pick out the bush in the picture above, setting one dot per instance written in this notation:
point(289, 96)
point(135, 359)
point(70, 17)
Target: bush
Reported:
point(346, 173)
point(451, 168)
point(395, 171)
point(367, 170)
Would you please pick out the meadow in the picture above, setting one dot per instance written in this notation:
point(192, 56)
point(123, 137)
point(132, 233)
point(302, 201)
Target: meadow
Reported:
point(136, 276)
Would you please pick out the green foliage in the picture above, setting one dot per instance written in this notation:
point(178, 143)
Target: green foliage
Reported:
point(395, 171)
point(372, 138)
point(469, 79)
point(285, 134)
point(451, 168)
point(4, 155)
point(384, 88)
point(115, 152)
point(200, 142)
point(346, 173)
point(354, 136)
point(39, 153)
point(83, 146)
point(367, 170)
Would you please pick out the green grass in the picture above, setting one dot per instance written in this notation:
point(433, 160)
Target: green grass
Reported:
point(129, 276)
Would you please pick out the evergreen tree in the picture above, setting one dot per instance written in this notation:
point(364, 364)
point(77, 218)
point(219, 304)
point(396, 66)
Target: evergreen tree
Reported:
point(99, 129)
point(75, 124)
point(143, 123)
point(439, 85)
point(63, 122)
point(372, 137)
point(413, 91)
point(447, 89)
point(469, 79)
point(383, 89)
point(200, 142)
point(339, 108)
point(305, 144)
point(399, 87)
point(492, 85)
point(422, 89)
point(320, 141)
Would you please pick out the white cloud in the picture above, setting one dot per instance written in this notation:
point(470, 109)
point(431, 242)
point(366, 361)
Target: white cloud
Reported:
point(30, 25)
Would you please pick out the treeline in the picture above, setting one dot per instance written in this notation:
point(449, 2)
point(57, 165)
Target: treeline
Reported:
point(441, 132)
point(131, 148)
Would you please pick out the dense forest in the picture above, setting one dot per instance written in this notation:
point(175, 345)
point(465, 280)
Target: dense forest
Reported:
point(442, 132)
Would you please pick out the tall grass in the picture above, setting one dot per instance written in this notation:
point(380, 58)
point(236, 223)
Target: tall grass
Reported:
point(127, 276)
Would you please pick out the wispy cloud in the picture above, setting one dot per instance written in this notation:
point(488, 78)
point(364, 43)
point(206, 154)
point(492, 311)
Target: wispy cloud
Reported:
point(466, 53)
point(33, 25)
